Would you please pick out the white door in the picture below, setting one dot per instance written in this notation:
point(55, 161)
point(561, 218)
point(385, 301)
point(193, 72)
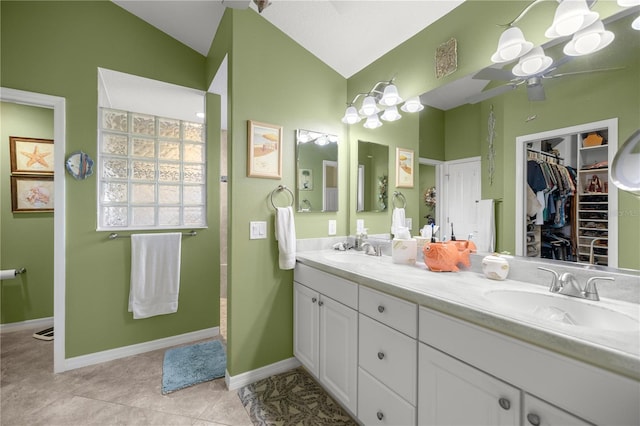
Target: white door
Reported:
point(306, 327)
point(462, 190)
point(451, 392)
point(338, 351)
point(539, 413)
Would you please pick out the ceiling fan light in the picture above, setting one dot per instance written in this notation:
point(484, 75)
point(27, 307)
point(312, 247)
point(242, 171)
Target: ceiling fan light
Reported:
point(391, 114)
point(373, 122)
point(351, 115)
point(589, 40)
point(390, 96)
point(369, 106)
point(511, 46)
point(412, 105)
point(532, 63)
point(571, 16)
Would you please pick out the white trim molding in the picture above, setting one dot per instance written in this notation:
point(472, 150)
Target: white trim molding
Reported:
point(125, 351)
point(26, 325)
point(58, 105)
point(243, 379)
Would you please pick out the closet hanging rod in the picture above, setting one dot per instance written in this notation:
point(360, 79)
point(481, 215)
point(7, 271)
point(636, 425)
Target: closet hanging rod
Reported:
point(114, 235)
point(545, 153)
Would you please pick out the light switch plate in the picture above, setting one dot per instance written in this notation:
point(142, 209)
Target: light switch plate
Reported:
point(257, 230)
point(332, 227)
point(359, 225)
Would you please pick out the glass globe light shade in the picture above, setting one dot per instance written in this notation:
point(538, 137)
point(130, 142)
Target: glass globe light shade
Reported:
point(391, 114)
point(390, 96)
point(570, 17)
point(369, 106)
point(636, 24)
point(532, 63)
point(589, 40)
point(351, 115)
point(628, 3)
point(511, 46)
point(373, 122)
point(412, 105)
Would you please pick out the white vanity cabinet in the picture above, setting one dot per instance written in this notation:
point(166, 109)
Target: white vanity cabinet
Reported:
point(325, 330)
point(387, 353)
point(462, 365)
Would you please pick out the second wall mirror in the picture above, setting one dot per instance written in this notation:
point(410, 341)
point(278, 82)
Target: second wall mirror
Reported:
point(317, 171)
point(373, 177)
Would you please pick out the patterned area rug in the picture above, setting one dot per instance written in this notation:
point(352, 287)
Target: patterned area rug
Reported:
point(291, 398)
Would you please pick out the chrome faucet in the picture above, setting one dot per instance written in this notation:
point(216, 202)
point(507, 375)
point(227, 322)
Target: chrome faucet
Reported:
point(568, 285)
point(370, 249)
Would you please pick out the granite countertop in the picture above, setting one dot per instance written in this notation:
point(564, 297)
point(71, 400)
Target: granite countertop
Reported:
point(464, 295)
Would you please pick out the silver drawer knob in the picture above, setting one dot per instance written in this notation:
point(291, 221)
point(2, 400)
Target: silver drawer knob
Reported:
point(380, 415)
point(380, 308)
point(504, 403)
point(380, 355)
point(314, 300)
point(320, 303)
point(534, 419)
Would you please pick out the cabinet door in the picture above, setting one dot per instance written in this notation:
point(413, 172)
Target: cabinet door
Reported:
point(306, 327)
point(338, 351)
point(451, 392)
point(540, 413)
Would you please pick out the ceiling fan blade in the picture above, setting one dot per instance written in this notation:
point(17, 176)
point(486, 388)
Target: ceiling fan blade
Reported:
point(493, 74)
point(483, 96)
point(536, 93)
point(582, 72)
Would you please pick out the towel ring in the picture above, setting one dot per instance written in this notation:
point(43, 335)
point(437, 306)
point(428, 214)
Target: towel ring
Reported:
point(278, 189)
point(397, 194)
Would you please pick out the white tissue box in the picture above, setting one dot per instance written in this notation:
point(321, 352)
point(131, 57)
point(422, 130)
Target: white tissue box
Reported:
point(404, 251)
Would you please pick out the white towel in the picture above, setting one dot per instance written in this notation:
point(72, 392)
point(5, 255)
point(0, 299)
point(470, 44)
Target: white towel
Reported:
point(485, 239)
point(397, 220)
point(286, 236)
point(155, 274)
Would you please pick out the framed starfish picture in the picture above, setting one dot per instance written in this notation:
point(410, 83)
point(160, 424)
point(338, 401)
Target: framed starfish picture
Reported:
point(31, 156)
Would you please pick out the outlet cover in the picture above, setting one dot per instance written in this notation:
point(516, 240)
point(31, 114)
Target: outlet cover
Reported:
point(332, 227)
point(257, 230)
point(408, 222)
point(359, 225)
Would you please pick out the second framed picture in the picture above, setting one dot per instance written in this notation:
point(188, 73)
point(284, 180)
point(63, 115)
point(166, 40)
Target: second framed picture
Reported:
point(404, 168)
point(264, 151)
point(32, 193)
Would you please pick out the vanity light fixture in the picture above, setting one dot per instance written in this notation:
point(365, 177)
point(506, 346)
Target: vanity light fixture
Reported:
point(380, 103)
point(321, 139)
point(572, 17)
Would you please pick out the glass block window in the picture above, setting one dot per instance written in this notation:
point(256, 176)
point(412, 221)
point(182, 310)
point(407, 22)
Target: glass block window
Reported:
point(151, 172)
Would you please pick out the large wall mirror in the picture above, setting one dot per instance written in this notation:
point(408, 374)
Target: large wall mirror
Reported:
point(317, 171)
point(373, 177)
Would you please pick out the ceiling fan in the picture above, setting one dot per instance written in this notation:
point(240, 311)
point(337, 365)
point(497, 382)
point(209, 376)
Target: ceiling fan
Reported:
point(533, 83)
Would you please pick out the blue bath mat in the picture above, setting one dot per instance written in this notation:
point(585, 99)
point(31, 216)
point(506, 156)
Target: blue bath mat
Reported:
point(189, 365)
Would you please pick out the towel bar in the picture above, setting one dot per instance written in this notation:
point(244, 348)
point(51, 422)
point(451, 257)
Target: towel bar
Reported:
point(398, 194)
point(278, 189)
point(114, 235)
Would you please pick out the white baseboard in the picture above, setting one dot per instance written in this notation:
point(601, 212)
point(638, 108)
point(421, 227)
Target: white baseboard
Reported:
point(26, 325)
point(111, 354)
point(243, 379)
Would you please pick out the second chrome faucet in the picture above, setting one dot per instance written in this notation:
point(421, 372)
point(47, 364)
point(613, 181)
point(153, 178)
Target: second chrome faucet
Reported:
point(568, 285)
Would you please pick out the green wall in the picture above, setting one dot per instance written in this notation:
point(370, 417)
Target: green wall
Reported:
point(26, 239)
point(272, 80)
point(59, 55)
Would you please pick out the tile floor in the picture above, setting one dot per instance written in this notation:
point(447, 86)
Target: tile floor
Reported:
point(120, 392)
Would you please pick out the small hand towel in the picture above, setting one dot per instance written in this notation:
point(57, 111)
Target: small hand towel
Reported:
point(485, 220)
point(286, 236)
point(397, 220)
point(155, 274)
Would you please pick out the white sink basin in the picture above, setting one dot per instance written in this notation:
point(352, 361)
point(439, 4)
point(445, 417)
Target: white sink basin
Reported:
point(572, 311)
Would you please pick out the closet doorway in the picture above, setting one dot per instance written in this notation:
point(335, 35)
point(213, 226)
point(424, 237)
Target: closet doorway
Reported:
point(564, 210)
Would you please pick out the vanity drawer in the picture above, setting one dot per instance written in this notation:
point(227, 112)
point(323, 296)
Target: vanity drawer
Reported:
point(389, 310)
point(339, 289)
point(378, 405)
point(389, 356)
